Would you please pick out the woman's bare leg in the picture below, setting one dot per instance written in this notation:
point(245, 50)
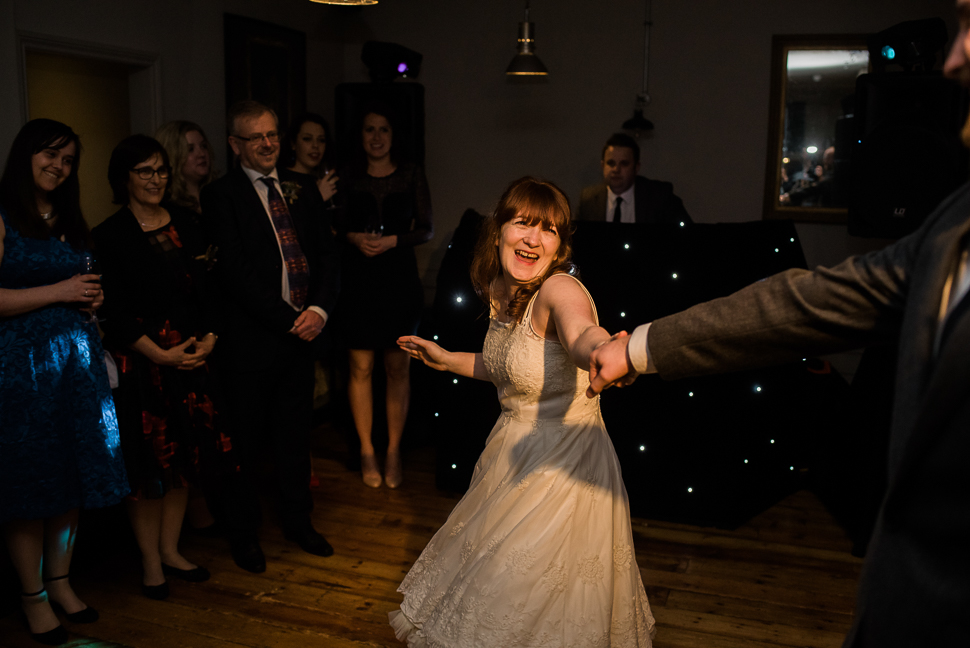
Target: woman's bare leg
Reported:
point(25, 543)
point(146, 521)
point(361, 395)
point(396, 365)
point(173, 512)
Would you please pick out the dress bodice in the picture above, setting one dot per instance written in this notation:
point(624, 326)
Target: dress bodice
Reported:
point(535, 377)
point(29, 262)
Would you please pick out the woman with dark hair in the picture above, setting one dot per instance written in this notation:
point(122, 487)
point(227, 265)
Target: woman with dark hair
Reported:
point(192, 159)
point(388, 213)
point(58, 430)
point(158, 328)
point(540, 548)
point(308, 136)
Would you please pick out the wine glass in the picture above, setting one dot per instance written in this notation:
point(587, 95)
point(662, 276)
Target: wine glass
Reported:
point(90, 266)
point(374, 229)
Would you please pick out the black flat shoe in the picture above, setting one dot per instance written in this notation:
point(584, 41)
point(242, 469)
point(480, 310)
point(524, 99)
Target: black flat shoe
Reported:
point(87, 615)
point(197, 575)
point(156, 592)
point(309, 540)
point(247, 554)
point(54, 637)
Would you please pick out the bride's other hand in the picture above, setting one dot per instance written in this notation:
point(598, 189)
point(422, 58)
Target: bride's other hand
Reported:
point(427, 352)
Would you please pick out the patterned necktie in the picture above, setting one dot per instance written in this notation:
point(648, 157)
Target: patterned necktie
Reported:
point(617, 213)
point(296, 266)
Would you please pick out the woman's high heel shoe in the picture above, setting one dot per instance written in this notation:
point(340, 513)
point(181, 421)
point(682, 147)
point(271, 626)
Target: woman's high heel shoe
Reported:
point(54, 637)
point(370, 470)
point(393, 470)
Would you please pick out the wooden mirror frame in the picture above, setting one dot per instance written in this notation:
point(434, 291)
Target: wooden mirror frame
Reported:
point(780, 46)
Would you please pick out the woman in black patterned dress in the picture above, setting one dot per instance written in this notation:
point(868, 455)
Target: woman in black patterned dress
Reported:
point(160, 331)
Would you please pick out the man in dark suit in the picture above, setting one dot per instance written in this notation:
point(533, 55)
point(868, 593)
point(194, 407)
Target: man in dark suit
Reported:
point(277, 268)
point(915, 585)
point(625, 197)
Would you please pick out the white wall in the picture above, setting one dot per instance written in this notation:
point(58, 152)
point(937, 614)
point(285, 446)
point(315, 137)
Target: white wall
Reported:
point(709, 74)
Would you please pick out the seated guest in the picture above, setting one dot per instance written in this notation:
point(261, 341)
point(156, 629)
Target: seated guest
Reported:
point(278, 270)
point(192, 161)
point(308, 136)
point(58, 431)
point(159, 328)
point(624, 196)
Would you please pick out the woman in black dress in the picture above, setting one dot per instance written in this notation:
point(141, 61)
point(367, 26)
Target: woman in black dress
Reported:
point(153, 263)
point(388, 212)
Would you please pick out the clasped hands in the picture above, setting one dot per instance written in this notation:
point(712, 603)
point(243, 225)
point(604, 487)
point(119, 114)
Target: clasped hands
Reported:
point(609, 365)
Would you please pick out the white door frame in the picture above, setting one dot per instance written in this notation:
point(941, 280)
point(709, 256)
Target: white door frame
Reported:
point(144, 79)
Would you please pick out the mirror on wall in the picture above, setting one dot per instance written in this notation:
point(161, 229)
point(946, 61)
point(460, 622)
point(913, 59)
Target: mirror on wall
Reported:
point(810, 125)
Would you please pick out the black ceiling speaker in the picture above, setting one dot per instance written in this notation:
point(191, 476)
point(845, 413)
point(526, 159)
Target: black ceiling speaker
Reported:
point(388, 61)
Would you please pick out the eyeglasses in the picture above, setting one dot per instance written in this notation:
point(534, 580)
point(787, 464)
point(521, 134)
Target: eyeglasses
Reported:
point(273, 137)
point(146, 173)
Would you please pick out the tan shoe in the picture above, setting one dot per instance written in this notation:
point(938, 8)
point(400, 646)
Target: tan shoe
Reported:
point(393, 470)
point(370, 470)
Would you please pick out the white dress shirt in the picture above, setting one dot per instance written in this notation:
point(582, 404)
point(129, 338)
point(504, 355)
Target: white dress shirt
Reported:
point(627, 208)
point(263, 191)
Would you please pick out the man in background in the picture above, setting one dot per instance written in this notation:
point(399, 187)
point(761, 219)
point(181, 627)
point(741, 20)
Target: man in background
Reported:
point(624, 196)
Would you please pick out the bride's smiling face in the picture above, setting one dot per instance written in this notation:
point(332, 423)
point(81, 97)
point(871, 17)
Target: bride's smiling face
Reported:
point(527, 247)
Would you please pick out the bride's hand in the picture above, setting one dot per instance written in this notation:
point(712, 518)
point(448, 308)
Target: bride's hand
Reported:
point(427, 352)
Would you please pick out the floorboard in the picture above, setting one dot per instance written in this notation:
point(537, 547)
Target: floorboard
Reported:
point(785, 578)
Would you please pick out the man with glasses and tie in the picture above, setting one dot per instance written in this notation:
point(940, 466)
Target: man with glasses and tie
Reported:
point(624, 196)
point(278, 273)
point(915, 585)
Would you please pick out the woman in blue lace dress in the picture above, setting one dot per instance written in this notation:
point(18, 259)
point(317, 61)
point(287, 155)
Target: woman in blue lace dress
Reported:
point(59, 445)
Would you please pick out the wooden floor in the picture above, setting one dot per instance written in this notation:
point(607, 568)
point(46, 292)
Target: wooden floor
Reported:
point(784, 579)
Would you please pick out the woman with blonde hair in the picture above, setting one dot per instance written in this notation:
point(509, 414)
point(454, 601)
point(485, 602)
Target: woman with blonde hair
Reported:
point(540, 548)
point(192, 159)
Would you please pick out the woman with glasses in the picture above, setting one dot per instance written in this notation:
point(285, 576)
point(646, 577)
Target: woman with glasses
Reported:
point(160, 331)
point(58, 431)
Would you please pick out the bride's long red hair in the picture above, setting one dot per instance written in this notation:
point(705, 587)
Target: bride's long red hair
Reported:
point(537, 201)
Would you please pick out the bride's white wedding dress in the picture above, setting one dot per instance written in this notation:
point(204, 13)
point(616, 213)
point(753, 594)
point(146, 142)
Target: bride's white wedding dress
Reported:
point(539, 551)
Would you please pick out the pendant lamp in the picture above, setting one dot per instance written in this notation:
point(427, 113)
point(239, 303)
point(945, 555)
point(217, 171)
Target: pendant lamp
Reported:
point(352, 3)
point(526, 63)
point(638, 123)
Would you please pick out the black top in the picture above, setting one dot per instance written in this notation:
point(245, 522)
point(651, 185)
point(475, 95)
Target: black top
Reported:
point(151, 277)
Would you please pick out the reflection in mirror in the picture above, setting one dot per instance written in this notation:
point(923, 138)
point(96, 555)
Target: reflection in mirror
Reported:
point(812, 104)
point(820, 88)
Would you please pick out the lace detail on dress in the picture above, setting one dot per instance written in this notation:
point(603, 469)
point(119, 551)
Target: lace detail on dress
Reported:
point(539, 551)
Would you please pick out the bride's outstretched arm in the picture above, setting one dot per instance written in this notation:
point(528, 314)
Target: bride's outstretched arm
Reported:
point(469, 365)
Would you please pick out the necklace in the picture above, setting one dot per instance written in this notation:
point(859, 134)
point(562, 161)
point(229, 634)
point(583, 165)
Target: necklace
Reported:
point(49, 215)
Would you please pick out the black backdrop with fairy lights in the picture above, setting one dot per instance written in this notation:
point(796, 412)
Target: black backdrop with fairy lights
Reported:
point(713, 451)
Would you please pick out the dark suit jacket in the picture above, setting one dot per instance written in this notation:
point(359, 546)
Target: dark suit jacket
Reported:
point(249, 265)
point(653, 201)
point(915, 586)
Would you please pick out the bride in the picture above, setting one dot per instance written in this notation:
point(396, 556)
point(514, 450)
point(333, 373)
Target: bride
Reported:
point(539, 551)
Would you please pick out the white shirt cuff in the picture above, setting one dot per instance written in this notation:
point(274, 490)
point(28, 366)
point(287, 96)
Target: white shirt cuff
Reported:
point(319, 311)
point(639, 352)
